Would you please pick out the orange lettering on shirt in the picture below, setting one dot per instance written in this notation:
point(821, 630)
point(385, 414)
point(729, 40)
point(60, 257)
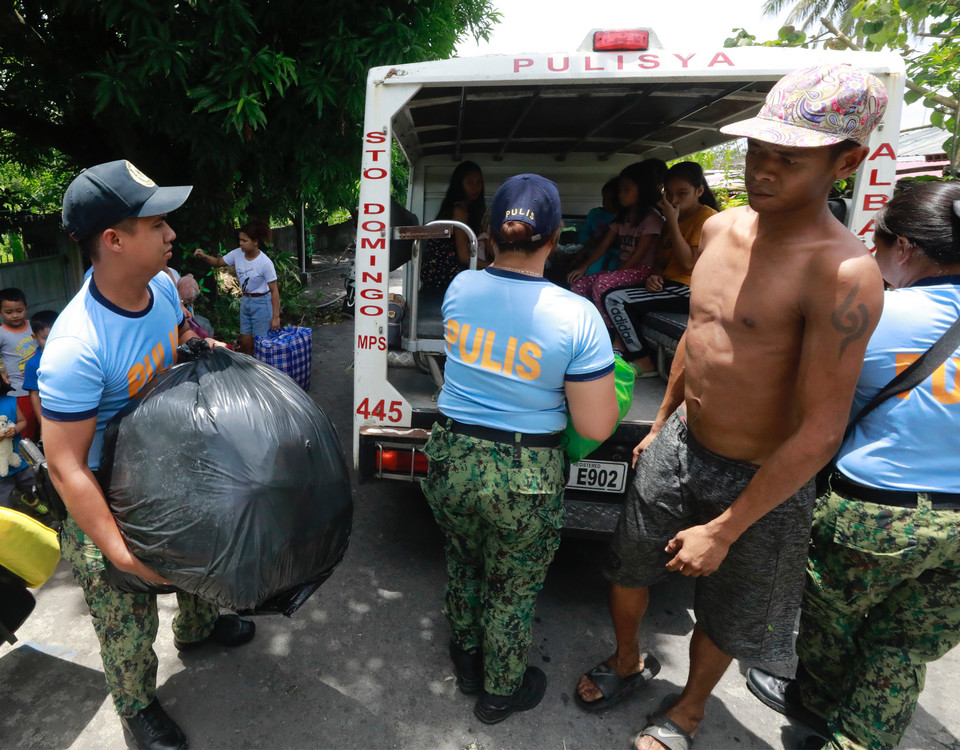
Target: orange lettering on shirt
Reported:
point(511, 353)
point(174, 339)
point(902, 362)
point(529, 354)
point(474, 353)
point(157, 356)
point(453, 333)
point(940, 392)
point(136, 379)
point(487, 362)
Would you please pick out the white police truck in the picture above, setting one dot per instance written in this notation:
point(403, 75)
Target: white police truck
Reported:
point(578, 118)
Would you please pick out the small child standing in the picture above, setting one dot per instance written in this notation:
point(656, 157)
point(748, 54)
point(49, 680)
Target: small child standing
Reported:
point(17, 345)
point(18, 477)
point(40, 323)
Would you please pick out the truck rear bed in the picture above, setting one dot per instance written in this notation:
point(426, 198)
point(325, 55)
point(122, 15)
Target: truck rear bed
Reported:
point(592, 508)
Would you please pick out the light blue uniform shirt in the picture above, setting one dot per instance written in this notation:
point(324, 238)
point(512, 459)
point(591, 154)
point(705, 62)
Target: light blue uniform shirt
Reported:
point(512, 341)
point(99, 356)
point(909, 443)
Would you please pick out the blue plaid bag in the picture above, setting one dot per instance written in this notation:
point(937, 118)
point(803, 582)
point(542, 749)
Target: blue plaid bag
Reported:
point(290, 350)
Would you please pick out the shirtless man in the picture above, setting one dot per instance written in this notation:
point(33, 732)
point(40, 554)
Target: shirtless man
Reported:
point(783, 301)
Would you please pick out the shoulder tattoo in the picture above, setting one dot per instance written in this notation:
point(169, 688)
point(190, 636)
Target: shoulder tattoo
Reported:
point(850, 319)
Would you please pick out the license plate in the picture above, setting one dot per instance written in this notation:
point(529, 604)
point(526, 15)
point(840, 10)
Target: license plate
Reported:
point(598, 476)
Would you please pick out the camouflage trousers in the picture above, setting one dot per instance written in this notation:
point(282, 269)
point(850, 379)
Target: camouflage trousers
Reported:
point(882, 599)
point(500, 507)
point(126, 624)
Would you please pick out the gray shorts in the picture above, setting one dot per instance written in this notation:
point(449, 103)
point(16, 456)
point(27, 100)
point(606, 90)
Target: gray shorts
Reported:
point(748, 607)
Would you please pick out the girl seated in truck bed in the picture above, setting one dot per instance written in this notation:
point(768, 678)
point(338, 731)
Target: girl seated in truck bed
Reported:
point(637, 228)
point(687, 203)
point(445, 258)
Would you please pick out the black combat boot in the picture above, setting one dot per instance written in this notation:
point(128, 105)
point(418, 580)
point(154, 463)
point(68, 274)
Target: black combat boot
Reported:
point(492, 709)
point(229, 630)
point(468, 668)
point(152, 729)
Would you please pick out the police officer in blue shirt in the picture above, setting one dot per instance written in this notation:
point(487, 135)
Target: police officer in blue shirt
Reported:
point(882, 597)
point(520, 353)
point(122, 327)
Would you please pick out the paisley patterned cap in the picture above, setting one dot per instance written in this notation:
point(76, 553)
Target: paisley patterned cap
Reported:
point(817, 106)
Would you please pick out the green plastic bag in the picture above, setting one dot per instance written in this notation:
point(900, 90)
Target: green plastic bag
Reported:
point(579, 447)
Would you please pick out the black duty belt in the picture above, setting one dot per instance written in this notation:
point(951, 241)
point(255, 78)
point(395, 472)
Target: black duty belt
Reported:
point(526, 439)
point(897, 498)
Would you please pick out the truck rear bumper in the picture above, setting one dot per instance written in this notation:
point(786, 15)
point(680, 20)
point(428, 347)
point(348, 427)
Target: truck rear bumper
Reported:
point(397, 454)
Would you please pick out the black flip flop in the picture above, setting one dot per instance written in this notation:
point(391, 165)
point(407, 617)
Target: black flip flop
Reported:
point(615, 688)
point(668, 733)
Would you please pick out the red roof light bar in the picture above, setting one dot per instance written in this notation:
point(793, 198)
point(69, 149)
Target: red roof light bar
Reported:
point(626, 40)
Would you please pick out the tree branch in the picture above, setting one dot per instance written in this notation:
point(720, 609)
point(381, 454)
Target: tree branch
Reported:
point(945, 101)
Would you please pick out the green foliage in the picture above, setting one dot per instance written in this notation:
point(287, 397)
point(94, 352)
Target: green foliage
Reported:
point(399, 175)
point(741, 38)
point(11, 247)
point(36, 189)
point(925, 32)
point(257, 103)
point(224, 314)
point(928, 178)
point(807, 13)
point(23, 190)
point(730, 198)
point(296, 308)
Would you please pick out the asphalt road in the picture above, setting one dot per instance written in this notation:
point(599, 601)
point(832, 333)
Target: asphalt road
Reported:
point(363, 664)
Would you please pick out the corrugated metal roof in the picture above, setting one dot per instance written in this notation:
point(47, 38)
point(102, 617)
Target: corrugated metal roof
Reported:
point(921, 142)
point(665, 119)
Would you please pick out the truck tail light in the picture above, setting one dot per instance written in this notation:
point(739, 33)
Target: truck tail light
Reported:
point(405, 461)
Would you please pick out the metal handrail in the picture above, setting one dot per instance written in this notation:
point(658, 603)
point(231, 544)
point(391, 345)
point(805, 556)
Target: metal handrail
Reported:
point(442, 228)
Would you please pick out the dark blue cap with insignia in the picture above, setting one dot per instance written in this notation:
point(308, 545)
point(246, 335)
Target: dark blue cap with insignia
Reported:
point(529, 198)
point(108, 193)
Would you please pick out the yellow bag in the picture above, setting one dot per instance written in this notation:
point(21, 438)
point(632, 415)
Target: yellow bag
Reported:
point(28, 549)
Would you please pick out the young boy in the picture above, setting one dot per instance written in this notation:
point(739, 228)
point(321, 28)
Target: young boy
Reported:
point(40, 323)
point(18, 477)
point(595, 228)
point(17, 345)
point(783, 301)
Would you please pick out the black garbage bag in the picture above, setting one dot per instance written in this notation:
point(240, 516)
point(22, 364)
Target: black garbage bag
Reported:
point(16, 604)
point(228, 481)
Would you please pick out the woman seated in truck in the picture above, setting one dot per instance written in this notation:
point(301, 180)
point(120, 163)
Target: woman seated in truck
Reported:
point(521, 352)
point(687, 203)
point(637, 229)
point(445, 258)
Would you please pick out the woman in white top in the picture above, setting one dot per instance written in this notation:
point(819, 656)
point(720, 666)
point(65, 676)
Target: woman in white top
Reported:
point(258, 279)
